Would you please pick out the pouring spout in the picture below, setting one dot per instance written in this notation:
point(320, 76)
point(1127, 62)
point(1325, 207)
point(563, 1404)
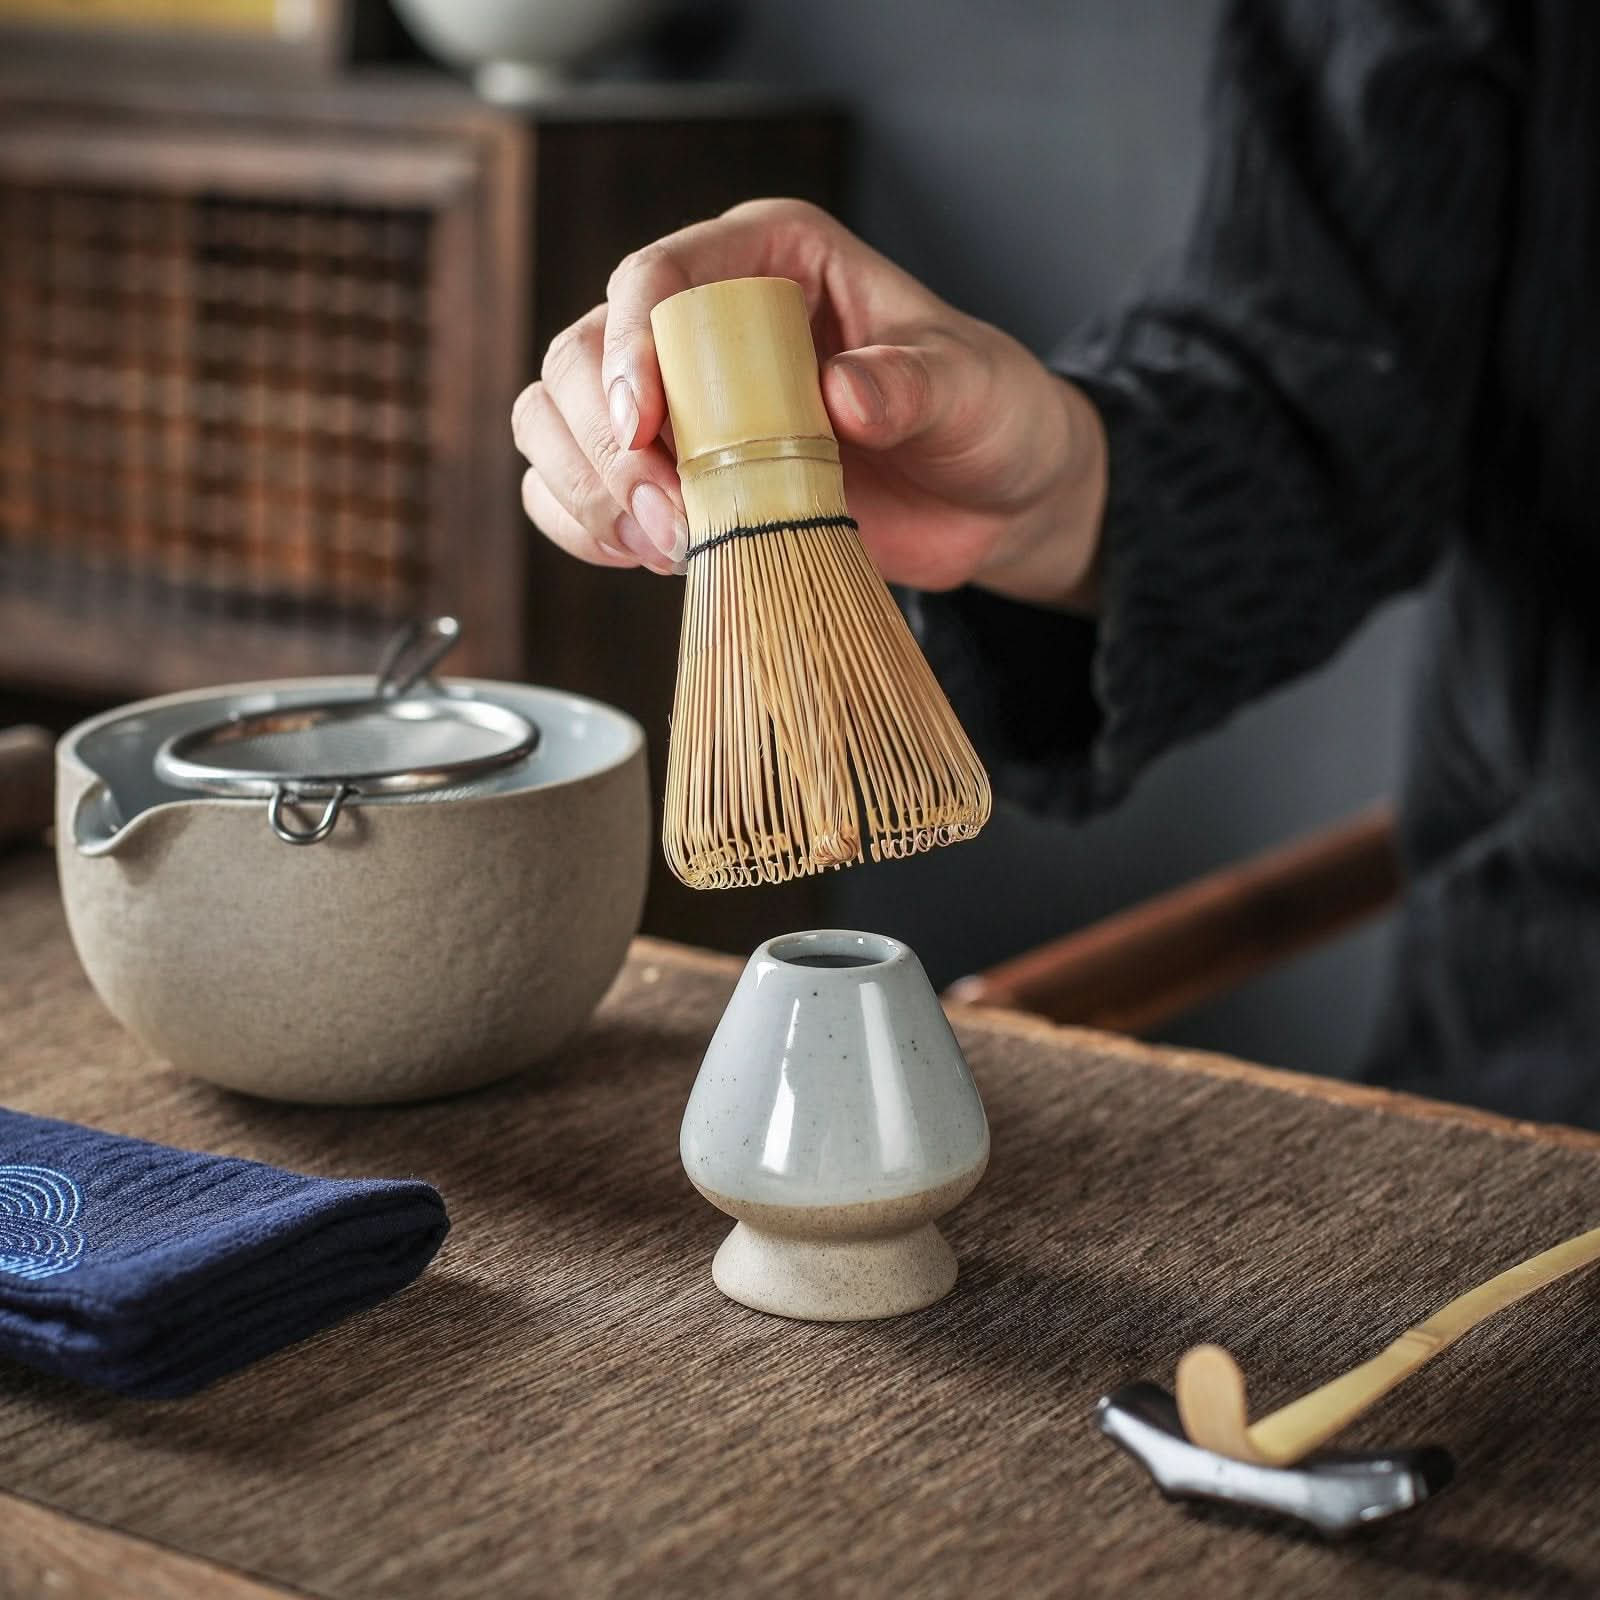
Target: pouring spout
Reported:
point(97, 825)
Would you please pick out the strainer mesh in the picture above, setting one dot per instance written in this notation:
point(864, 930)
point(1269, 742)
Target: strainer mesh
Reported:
point(313, 743)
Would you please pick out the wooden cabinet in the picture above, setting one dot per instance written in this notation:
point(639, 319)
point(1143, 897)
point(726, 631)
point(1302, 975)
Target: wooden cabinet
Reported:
point(258, 349)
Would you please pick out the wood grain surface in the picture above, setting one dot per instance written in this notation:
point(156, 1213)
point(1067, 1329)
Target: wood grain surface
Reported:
point(48, 1553)
point(564, 1405)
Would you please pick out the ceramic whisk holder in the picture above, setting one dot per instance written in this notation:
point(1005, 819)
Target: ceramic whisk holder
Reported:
point(834, 1117)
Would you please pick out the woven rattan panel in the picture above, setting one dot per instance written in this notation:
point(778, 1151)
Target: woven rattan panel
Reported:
point(565, 1406)
point(214, 402)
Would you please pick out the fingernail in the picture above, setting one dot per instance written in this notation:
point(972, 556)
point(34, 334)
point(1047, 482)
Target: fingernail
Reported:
point(866, 398)
point(637, 545)
point(662, 521)
point(612, 550)
point(624, 412)
point(629, 536)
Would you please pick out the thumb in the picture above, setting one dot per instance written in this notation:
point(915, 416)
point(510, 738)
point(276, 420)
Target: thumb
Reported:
point(883, 395)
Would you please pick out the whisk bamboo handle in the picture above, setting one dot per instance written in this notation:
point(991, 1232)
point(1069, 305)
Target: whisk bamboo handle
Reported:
point(1298, 1428)
point(740, 371)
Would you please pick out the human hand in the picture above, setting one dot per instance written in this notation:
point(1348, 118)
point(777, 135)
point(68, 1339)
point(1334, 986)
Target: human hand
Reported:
point(965, 459)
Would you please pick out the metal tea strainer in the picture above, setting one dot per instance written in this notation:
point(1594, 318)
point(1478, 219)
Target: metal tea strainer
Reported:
point(406, 736)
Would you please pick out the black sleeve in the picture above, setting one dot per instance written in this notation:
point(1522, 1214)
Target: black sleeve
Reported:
point(1290, 427)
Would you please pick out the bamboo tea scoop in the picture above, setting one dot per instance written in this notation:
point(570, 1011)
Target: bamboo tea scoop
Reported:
point(1211, 1388)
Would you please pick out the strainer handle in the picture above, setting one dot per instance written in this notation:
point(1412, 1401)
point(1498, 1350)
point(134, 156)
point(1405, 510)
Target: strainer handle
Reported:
point(413, 653)
point(324, 825)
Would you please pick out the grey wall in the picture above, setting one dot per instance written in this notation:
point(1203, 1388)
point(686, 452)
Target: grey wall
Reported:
point(1031, 162)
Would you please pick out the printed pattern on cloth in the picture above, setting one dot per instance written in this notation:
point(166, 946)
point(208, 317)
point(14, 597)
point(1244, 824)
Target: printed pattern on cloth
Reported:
point(39, 1236)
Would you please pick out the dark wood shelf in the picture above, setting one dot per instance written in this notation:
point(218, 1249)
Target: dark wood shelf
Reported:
point(200, 277)
point(57, 648)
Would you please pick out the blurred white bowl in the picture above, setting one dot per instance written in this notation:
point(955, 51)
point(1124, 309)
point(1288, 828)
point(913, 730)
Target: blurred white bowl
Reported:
point(516, 49)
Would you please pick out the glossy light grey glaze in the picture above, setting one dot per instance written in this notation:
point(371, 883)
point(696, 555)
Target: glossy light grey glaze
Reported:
point(832, 1085)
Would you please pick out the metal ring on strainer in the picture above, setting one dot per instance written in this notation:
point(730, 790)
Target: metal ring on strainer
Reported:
point(392, 741)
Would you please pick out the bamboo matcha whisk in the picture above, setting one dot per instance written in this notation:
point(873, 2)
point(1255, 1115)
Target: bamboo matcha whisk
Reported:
point(807, 729)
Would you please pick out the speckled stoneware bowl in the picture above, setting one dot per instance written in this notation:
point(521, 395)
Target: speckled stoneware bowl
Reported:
point(433, 942)
point(835, 1118)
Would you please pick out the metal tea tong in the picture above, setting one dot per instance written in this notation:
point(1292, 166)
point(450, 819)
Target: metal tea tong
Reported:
point(1202, 1446)
point(407, 735)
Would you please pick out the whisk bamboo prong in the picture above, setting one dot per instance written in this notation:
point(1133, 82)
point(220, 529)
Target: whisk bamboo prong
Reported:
point(808, 731)
point(1211, 1389)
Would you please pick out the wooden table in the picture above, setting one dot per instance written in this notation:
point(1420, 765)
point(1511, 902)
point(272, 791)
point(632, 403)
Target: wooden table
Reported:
point(564, 1405)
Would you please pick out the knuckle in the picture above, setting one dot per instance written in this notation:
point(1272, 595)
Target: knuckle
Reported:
point(557, 356)
point(599, 443)
point(590, 328)
point(585, 497)
point(914, 382)
point(533, 494)
point(638, 263)
point(566, 353)
point(523, 409)
point(546, 512)
point(532, 425)
point(780, 211)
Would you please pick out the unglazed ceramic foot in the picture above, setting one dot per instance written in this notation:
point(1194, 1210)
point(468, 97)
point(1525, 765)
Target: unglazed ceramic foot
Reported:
point(835, 1280)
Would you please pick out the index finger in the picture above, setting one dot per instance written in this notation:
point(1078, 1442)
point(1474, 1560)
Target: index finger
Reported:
point(758, 239)
point(640, 282)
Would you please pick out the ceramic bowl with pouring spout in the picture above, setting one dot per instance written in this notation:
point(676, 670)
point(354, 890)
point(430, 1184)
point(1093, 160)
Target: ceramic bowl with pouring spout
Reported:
point(433, 937)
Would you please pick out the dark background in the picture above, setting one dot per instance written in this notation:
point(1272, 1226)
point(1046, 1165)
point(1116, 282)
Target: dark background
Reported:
point(1034, 163)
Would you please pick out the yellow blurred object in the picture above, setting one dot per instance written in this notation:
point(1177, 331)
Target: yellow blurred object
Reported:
point(273, 17)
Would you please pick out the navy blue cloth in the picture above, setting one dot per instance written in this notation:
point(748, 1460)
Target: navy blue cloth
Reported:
point(152, 1271)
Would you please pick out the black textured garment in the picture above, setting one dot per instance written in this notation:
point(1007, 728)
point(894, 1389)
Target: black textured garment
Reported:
point(1381, 359)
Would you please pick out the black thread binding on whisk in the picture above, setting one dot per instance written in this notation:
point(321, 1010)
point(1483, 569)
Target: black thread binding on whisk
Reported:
point(803, 525)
